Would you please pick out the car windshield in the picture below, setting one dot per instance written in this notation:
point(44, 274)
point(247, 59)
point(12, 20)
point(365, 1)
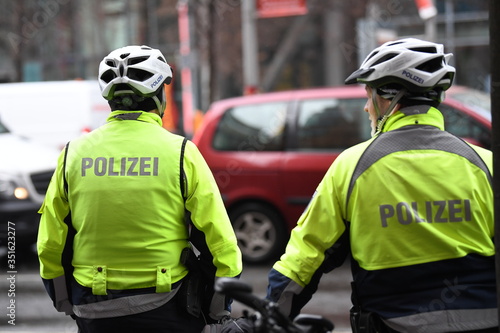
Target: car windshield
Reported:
point(475, 99)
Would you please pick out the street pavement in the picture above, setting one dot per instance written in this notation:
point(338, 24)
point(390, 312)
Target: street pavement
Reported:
point(34, 311)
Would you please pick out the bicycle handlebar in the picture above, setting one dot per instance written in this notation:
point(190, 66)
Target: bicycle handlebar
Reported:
point(273, 319)
point(241, 292)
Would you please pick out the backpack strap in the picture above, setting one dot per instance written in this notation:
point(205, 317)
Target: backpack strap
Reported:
point(182, 175)
point(64, 168)
point(67, 255)
point(201, 260)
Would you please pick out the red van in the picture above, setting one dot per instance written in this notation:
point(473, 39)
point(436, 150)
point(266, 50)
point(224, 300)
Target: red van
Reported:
point(268, 152)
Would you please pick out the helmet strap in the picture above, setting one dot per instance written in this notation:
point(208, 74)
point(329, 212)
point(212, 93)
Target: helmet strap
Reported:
point(160, 105)
point(383, 117)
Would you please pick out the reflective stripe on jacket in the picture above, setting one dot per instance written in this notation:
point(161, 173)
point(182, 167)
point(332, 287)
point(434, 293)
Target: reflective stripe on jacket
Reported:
point(125, 204)
point(414, 207)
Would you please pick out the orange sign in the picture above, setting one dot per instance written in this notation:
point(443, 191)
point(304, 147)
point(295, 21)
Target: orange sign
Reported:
point(277, 8)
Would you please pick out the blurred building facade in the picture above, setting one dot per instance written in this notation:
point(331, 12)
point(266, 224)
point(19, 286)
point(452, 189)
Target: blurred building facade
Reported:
point(66, 39)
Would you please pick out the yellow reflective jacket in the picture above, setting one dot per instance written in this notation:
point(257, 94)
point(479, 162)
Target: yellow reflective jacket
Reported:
point(412, 206)
point(124, 201)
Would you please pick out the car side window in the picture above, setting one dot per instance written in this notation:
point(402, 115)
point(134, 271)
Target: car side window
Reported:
point(331, 124)
point(463, 126)
point(257, 127)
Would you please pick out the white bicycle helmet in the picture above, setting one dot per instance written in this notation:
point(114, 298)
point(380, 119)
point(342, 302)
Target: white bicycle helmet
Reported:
point(419, 67)
point(134, 70)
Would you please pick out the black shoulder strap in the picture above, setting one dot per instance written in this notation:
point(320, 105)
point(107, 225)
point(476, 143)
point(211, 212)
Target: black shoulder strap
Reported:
point(182, 175)
point(67, 255)
point(64, 168)
point(204, 259)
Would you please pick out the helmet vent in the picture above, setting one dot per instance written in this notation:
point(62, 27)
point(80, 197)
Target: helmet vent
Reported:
point(138, 74)
point(424, 49)
point(162, 59)
point(124, 55)
point(385, 58)
point(432, 65)
point(136, 60)
point(108, 75)
point(110, 63)
point(371, 55)
point(122, 87)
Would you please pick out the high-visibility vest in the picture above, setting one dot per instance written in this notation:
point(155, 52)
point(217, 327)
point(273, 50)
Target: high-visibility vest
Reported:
point(414, 207)
point(124, 196)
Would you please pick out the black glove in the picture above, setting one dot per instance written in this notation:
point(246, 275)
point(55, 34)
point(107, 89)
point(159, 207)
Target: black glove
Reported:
point(240, 325)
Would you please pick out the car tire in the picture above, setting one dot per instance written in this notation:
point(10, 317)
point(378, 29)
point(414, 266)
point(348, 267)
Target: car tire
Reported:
point(260, 232)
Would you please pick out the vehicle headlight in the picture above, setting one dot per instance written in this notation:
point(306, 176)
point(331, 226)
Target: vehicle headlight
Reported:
point(10, 190)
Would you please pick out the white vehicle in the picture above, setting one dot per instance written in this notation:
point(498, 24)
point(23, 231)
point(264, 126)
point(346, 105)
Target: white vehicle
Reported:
point(52, 112)
point(36, 120)
point(26, 168)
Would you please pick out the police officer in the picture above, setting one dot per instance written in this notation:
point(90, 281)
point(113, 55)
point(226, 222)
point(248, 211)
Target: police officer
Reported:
point(412, 207)
point(113, 227)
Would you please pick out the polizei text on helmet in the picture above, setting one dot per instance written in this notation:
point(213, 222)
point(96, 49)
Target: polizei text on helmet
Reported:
point(158, 80)
point(413, 77)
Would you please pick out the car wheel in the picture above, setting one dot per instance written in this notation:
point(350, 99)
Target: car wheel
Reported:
point(260, 232)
